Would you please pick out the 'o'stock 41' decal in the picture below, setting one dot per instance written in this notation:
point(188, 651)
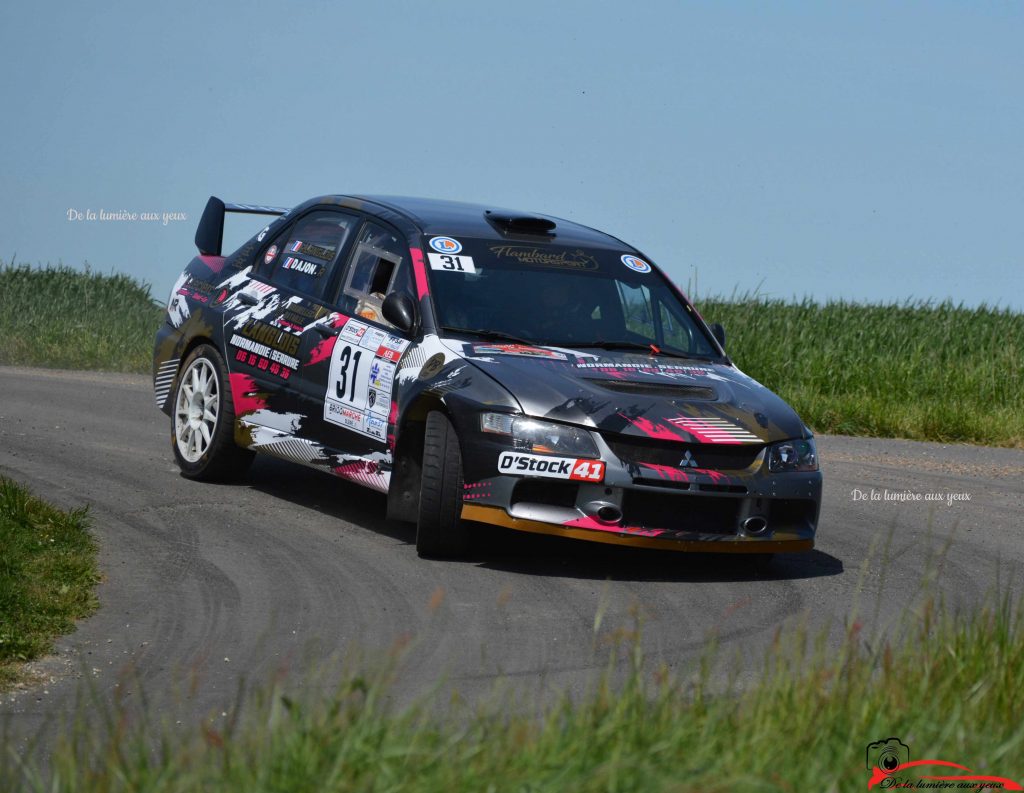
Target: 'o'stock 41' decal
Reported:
point(551, 467)
point(362, 378)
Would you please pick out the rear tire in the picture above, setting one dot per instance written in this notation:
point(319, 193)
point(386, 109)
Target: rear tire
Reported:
point(203, 420)
point(440, 530)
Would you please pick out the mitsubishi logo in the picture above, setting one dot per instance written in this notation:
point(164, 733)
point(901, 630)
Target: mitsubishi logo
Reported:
point(688, 461)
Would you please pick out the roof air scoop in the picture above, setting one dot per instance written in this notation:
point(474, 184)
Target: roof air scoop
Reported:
point(522, 224)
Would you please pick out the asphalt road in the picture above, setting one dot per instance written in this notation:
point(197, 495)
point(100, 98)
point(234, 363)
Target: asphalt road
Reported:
point(207, 583)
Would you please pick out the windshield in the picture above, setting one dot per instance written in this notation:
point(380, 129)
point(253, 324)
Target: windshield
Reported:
point(558, 296)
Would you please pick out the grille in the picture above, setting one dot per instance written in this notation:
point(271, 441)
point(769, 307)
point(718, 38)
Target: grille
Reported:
point(680, 513)
point(656, 389)
point(713, 456)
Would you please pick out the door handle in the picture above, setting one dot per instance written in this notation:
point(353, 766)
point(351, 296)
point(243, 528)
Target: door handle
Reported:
point(327, 331)
point(249, 300)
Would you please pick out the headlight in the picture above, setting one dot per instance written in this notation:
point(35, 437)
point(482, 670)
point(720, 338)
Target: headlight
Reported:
point(540, 437)
point(792, 456)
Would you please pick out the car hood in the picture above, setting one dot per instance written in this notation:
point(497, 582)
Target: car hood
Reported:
point(689, 401)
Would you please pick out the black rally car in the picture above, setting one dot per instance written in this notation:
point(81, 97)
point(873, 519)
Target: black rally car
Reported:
point(479, 365)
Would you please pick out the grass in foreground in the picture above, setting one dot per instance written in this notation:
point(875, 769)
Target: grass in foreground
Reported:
point(924, 371)
point(47, 574)
point(73, 319)
point(953, 690)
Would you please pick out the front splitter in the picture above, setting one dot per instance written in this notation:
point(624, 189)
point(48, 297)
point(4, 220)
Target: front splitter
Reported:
point(613, 535)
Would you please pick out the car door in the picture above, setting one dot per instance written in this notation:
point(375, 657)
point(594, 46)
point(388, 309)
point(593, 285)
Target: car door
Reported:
point(272, 336)
point(353, 381)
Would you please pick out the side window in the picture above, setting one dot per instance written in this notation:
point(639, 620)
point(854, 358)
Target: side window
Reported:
point(301, 258)
point(376, 269)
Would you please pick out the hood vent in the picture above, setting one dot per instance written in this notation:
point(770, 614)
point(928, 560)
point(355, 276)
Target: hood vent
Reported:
point(523, 224)
point(667, 390)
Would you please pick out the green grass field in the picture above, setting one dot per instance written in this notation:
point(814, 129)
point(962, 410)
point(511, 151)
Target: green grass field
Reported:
point(75, 319)
point(47, 575)
point(952, 689)
point(914, 370)
point(922, 371)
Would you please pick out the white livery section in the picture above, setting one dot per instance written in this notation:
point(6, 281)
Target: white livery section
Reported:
point(715, 430)
point(163, 380)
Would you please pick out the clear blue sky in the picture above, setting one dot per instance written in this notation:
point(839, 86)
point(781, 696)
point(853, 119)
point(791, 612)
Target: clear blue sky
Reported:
point(867, 150)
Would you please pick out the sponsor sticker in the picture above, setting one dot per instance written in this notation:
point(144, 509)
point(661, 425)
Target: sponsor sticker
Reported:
point(382, 375)
point(268, 341)
point(302, 266)
point(569, 468)
point(344, 416)
point(270, 255)
point(373, 338)
point(451, 263)
point(376, 427)
point(446, 245)
point(309, 249)
point(636, 263)
point(541, 257)
point(434, 364)
point(519, 349)
point(353, 330)
point(392, 348)
point(667, 370)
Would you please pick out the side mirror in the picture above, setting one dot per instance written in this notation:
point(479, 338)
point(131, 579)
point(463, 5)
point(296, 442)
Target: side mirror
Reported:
point(400, 310)
point(719, 333)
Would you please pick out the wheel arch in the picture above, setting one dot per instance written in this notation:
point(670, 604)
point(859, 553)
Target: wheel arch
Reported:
point(196, 341)
point(407, 474)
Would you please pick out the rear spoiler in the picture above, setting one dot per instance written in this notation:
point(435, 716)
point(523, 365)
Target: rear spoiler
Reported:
point(210, 234)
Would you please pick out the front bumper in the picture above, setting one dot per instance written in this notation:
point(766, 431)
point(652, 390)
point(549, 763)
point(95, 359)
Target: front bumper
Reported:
point(652, 504)
point(781, 542)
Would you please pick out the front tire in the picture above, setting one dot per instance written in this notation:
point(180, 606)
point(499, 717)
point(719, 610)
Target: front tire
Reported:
point(440, 530)
point(203, 420)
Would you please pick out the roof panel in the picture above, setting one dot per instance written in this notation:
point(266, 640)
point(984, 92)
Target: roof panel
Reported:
point(437, 216)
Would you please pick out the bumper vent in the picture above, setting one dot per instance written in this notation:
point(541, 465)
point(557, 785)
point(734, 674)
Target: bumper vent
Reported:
point(541, 491)
point(680, 512)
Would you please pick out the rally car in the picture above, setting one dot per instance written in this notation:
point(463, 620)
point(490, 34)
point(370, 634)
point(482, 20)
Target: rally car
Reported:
point(478, 365)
